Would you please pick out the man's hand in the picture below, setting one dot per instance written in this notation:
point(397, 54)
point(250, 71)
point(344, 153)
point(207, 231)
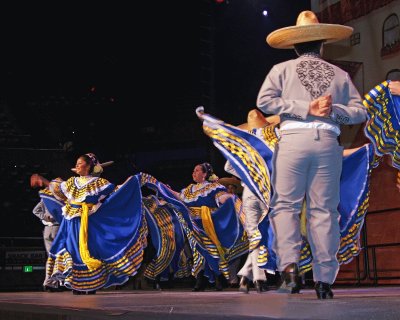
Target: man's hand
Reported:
point(321, 107)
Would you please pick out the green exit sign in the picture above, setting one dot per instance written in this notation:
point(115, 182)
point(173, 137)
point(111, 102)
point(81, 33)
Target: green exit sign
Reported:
point(27, 269)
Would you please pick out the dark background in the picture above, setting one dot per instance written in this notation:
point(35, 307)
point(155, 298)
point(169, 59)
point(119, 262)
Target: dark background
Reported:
point(123, 80)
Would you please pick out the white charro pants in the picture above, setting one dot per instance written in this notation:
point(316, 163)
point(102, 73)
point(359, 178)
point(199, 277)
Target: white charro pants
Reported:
point(253, 209)
point(49, 233)
point(307, 163)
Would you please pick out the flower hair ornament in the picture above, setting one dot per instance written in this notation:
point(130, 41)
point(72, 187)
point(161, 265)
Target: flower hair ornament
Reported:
point(213, 178)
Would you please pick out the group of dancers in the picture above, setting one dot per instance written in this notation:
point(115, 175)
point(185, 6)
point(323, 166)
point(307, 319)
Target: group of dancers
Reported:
point(106, 228)
point(311, 195)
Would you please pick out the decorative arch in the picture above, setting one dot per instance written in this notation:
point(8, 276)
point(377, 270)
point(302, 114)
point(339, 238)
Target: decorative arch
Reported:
point(390, 35)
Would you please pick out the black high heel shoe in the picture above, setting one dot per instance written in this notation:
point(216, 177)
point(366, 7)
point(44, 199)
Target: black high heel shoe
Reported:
point(323, 290)
point(77, 293)
point(218, 283)
point(291, 282)
point(200, 282)
point(157, 283)
point(244, 285)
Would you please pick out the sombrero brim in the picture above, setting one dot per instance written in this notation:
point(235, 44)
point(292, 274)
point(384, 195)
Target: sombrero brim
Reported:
point(272, 120)
point(232, 181)
point(286, 38)
point(103, 165)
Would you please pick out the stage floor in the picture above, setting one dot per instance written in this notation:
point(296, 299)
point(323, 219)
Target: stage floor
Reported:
point(349, 303)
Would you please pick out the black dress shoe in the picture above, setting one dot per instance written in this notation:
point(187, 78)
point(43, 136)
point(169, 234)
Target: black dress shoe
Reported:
point(52, 289)
point(91, 292)
point(244, 285)
point(291, 282)
point(261, 286)
point(323, 290)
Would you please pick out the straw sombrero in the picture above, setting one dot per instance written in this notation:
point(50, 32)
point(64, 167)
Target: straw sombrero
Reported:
point(233, 181)
point(255, 120)
point(307, 29)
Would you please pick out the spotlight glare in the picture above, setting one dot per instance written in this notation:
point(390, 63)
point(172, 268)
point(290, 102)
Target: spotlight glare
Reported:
point(265, 13)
